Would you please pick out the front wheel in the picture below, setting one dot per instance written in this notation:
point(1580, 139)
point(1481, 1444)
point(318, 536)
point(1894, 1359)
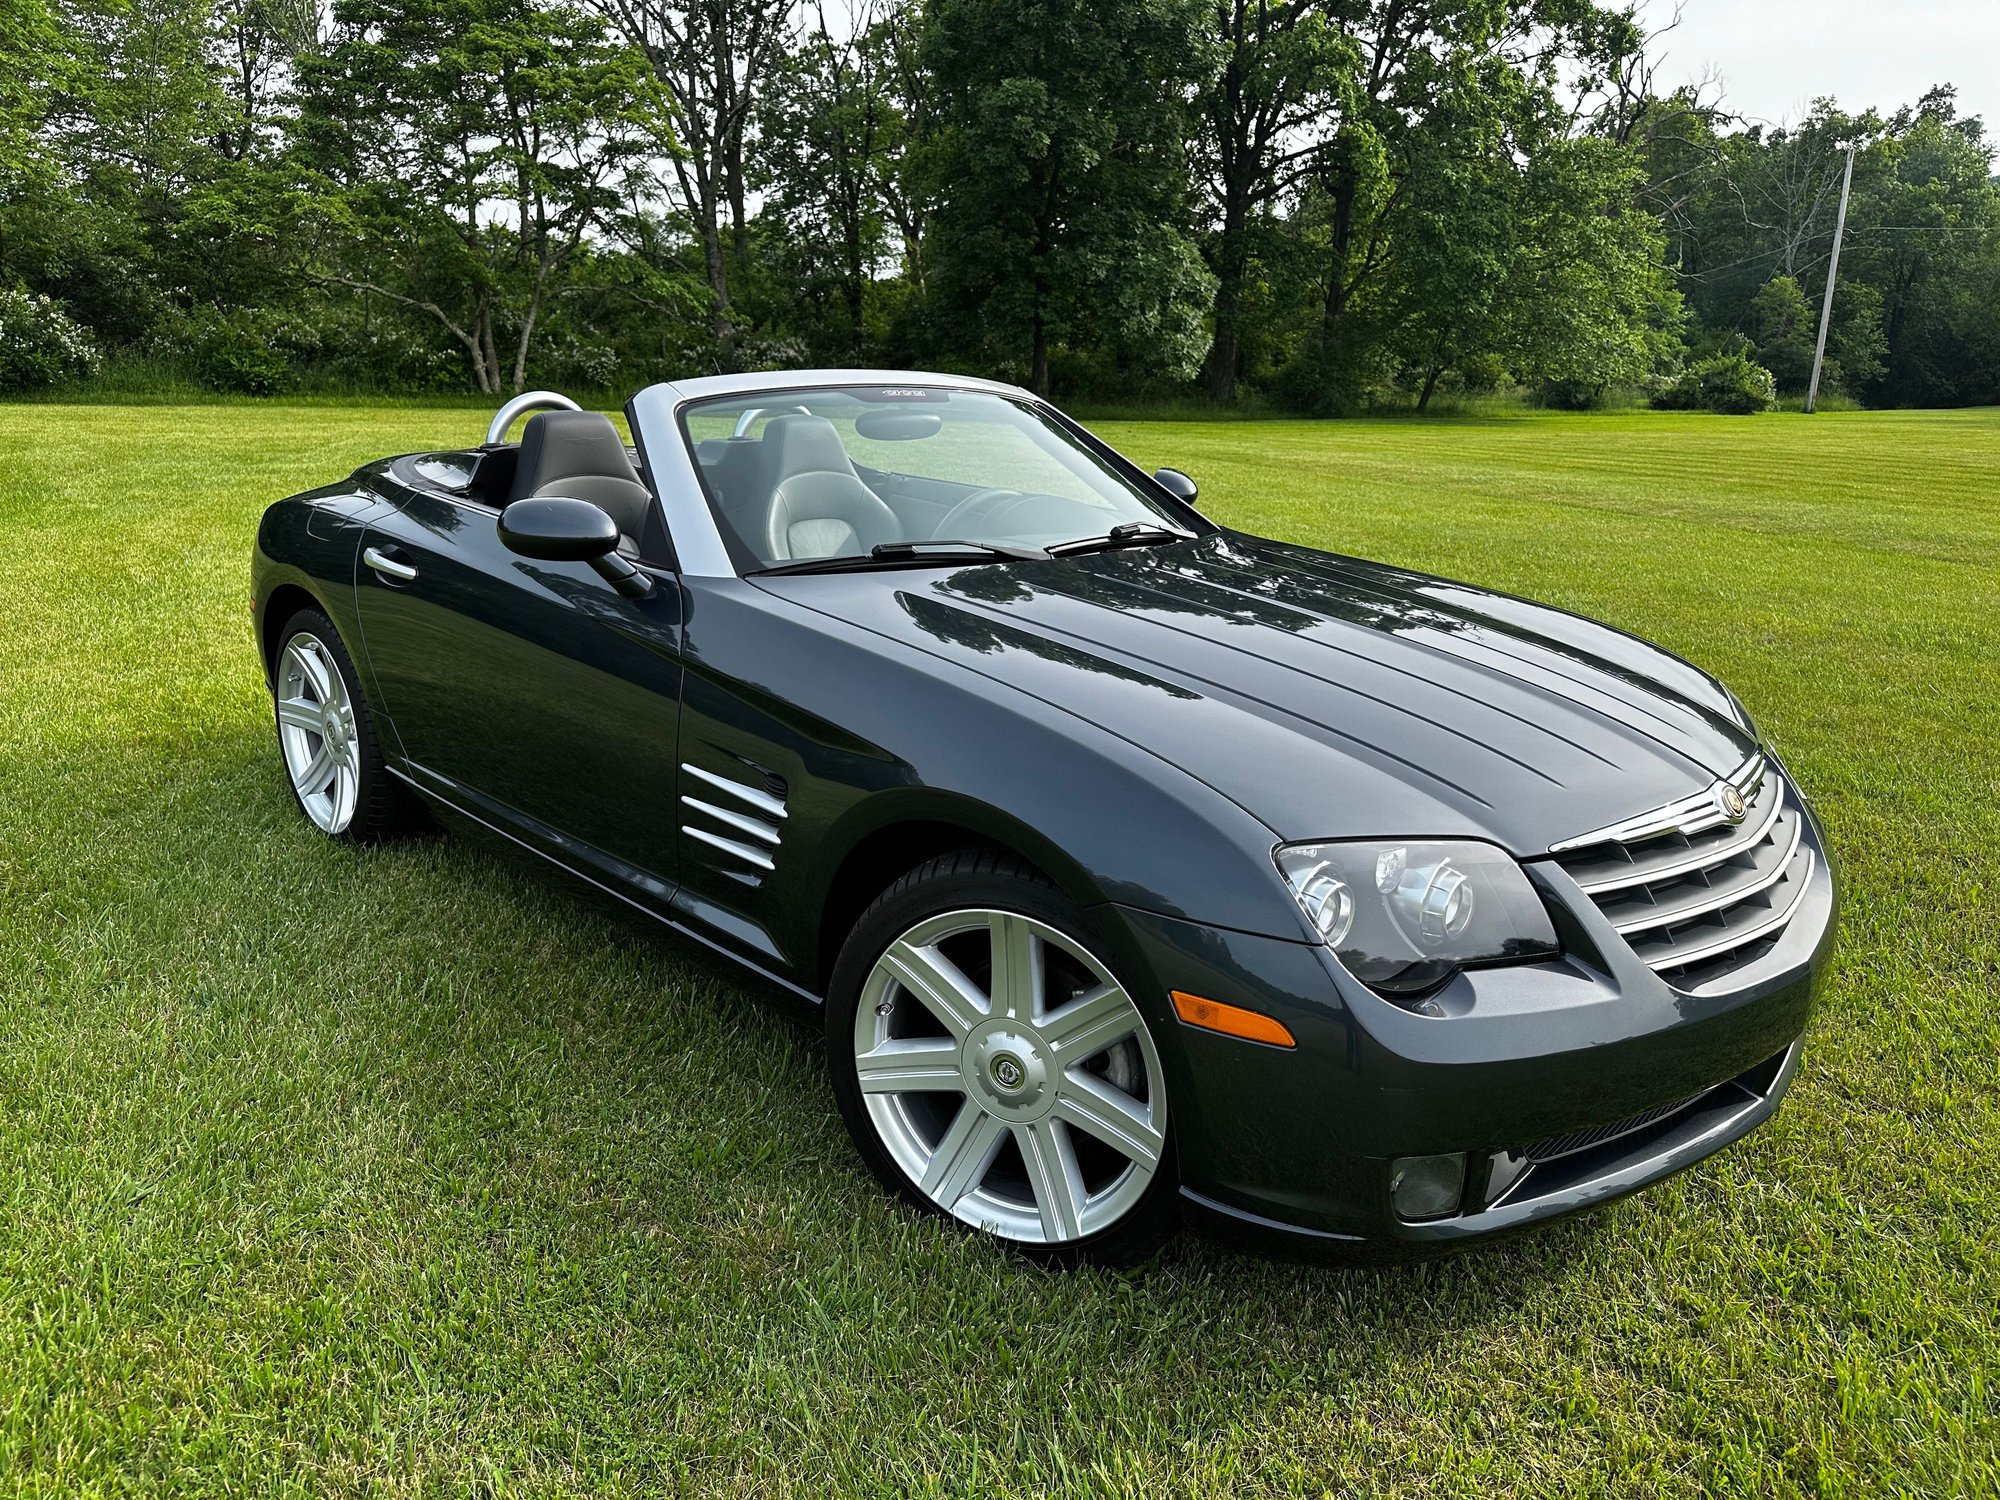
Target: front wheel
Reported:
point(992, 1068)
point(327, 739)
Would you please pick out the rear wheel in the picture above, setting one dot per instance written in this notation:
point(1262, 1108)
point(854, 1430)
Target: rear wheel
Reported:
point(993, 1068)
point(326, 737)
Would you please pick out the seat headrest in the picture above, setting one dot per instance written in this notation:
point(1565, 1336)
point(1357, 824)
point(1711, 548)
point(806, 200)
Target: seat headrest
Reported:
point(559, 445)
point(800, 444)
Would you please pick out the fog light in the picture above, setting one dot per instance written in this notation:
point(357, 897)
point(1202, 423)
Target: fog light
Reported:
point(1426, 1187)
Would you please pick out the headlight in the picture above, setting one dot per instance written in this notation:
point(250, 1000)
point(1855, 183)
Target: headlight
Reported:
point(1404, 915)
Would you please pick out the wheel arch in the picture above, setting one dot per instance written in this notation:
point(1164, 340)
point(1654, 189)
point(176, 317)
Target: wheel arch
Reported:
point(275, 611)
point(891, 835)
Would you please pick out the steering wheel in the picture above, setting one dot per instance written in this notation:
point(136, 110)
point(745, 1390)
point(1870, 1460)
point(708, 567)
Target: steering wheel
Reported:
point(972, 507)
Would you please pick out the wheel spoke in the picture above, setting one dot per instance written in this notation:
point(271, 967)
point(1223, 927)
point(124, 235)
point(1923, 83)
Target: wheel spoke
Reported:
point(316, 671)
point(1053, 1175)
point(318, 772)
point(1090, 1023)
point(896, 1067)
point(1017, 967)
point(1110, 1114)
point(345, 783)
point(963, 1156)
point(938, 984)
point(298, 713)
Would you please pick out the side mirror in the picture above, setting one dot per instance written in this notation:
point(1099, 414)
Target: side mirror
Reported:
point(554, 528)
point(1177, 484)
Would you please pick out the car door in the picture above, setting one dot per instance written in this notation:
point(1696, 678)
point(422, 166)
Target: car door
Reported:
point(529, 693)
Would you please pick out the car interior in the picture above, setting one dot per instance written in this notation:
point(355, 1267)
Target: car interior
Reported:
point(578, 454)
point(794, 492)
point(789, 490)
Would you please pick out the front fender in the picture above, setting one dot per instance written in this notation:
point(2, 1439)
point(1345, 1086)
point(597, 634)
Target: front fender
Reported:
point(871, 733)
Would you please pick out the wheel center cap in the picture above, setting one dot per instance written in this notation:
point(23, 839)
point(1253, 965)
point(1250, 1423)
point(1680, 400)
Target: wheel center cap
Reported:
point(1010, 1070)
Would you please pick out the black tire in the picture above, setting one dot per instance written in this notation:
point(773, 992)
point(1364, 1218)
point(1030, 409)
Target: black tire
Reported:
point(982, 879)
point(383, 807)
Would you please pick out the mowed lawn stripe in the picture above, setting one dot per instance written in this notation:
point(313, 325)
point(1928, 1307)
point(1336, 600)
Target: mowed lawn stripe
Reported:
point(409, 1172)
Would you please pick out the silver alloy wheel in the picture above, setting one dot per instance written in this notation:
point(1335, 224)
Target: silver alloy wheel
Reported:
point(1044, 1052)
point(316, 732)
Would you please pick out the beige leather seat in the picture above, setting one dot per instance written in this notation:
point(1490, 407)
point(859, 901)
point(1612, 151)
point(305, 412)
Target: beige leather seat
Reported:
point(817, 505)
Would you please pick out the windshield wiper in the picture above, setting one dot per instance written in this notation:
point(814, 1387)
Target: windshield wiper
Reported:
point(1131, 534)
point(903, 554)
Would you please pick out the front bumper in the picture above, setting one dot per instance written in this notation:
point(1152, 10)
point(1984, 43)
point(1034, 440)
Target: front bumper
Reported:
point(1507, 1193)
point(1565, 1084)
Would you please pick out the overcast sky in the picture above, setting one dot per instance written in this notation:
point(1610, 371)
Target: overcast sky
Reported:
point(1774, 56)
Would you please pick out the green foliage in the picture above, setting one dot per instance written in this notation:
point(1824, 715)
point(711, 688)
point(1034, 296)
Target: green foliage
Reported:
point(1729, 383)
point(30, 64)
point(461, 152)
point(1060, 177)
point(1329, 205)
point(1752, 216)
point(40, 344)
point(831, 169)
point(247, 351)
point(1782, 330)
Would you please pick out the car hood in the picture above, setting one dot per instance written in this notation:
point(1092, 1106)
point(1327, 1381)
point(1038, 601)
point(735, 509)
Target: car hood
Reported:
point(1328, 696)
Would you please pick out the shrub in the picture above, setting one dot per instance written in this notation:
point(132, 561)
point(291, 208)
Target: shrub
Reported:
point(245, 350)
point(1730, 383)
point(1571, 395)
point(40, 344)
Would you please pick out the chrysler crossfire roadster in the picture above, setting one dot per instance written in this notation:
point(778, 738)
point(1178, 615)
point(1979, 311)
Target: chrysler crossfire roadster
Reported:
point(1143, 870)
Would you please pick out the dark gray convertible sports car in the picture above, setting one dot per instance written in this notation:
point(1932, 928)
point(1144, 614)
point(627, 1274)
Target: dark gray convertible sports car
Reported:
point(1142, 867)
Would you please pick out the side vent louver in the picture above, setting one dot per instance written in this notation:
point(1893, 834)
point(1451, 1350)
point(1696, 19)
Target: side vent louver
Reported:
point(742, 821)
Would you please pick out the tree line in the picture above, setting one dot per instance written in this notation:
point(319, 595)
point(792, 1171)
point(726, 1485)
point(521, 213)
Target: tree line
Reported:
point(1322, 204)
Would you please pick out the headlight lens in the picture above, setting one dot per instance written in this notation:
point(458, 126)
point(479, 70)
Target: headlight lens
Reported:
point(1406, 914)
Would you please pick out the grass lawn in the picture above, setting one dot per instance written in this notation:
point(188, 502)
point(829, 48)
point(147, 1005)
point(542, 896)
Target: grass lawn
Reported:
point(411, 1172)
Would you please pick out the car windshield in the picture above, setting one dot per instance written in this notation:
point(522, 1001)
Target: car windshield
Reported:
point(822, 474)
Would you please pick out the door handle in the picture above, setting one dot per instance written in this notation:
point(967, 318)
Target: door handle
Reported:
point(387, 566)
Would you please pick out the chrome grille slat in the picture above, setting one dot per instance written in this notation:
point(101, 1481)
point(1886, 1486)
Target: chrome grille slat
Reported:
point(1695, 814)
point(1683, 894)
point(1683, 955)
point(757, 797)
point(743, 852)
point(1558, 1146)
point(1762, 877)
point(1690, 856)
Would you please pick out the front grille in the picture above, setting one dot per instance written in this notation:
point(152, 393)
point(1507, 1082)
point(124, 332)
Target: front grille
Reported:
point(1695, 894)
point(1557, 1146)
point(1596, 1153)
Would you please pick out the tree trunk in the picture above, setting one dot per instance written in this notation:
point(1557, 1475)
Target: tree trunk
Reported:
point(1346, 186)
point(1232, 267)
point(1038, 378)
point(527, 335)
point(716, 264)
point(1430, 388)
point(489, 356)
point(856, 278)
point(1232, 257)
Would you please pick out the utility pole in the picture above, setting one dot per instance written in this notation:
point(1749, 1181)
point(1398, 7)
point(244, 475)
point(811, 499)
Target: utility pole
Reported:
point(1832, 270)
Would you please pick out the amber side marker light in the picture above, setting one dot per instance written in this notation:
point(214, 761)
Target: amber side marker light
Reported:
point(1231, 1020)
